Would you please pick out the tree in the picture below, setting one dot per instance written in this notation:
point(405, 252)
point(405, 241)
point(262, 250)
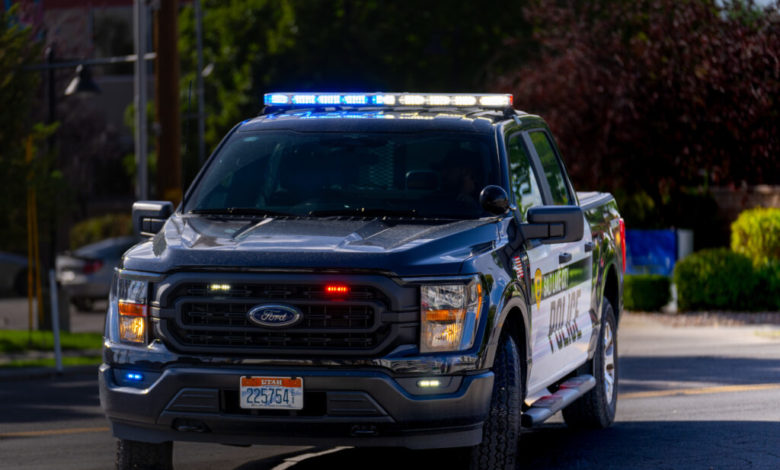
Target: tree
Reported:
point(655, 97)
point(18, 87)
point(366, 45)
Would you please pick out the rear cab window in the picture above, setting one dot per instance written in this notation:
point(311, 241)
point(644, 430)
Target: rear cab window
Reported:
point(553, 171)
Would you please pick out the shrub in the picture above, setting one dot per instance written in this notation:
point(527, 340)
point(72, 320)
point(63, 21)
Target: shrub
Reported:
point(99, 228)
point(715, 279)
point(767, 293)
point(756, 234)
point(648, 292)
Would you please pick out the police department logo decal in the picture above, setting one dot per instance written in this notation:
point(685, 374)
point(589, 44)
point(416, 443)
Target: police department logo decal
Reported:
point(538, 287)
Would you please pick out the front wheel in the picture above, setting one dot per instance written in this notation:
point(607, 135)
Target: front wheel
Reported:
point(501, 431)
point(596, 409)
point(134, 455)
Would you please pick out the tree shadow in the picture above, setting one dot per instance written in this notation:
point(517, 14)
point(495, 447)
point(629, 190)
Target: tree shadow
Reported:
point(685, 445)
point(50, 399)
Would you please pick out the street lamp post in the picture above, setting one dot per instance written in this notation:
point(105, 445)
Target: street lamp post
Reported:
point(81, 83)
point(139, 30)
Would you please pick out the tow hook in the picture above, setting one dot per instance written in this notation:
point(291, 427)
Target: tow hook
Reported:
point(363, 430)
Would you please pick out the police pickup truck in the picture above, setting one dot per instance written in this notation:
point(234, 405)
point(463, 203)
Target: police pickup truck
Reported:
point(368, 269)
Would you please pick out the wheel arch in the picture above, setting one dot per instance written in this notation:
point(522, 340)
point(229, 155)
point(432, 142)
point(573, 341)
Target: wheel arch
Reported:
point(611, 290)
point(514, 319)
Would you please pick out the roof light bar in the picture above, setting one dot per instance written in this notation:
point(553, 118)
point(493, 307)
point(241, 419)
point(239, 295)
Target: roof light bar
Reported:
point(484, 100)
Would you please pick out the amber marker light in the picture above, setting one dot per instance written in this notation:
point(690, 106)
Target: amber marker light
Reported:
point(445, 315)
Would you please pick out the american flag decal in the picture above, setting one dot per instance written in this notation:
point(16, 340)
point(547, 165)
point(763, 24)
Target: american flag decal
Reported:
point(518, 265)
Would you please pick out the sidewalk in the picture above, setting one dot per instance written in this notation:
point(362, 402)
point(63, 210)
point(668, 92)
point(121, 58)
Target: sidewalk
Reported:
point(14, 316)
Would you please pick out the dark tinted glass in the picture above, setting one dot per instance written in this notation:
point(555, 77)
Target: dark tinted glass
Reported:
point(421, 175)
point(524, 185)
point(552, 170)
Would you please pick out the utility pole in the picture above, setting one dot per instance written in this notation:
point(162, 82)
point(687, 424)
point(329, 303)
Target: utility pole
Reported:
point(199, 83)
point(166, 99)
point(139, 32)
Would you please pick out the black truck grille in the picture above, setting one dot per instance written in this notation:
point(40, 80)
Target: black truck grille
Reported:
point(270, 291)
point(199, 321)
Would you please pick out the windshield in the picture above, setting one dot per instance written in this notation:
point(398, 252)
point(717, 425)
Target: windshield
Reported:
point(431, 174)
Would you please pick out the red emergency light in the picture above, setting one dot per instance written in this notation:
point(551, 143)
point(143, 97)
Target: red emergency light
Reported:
point(336, 289)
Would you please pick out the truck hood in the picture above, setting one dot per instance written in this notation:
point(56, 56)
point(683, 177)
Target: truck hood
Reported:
point(402, 247)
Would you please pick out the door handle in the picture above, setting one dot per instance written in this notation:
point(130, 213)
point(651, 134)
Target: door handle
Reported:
point(564, 258)
point(588, 246)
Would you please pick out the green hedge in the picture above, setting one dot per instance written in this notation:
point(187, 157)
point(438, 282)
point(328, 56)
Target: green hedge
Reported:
point(767, 293)
point(716, 279)
point(646, 292)
point(99, 228)
point(756, 234)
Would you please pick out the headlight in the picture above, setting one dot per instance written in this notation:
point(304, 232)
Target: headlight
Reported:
point(129, 300)
point(449, 316)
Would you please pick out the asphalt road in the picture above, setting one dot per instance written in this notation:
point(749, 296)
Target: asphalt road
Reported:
point(690, 398)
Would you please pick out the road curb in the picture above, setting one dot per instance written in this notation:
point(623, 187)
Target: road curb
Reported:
point(31, 373)
point(712, 319)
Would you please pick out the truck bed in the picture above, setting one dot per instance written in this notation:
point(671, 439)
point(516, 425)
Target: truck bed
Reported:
point(591, 199)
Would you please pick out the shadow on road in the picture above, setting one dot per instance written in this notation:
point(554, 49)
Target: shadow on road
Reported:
point(50, 399)
point(688, 445)
point(656, 371)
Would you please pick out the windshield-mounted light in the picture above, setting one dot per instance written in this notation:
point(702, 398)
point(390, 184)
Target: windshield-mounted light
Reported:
point(449, 316)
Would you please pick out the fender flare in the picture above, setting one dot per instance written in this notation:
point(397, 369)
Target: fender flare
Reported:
point(598, 303)
point(512, 298)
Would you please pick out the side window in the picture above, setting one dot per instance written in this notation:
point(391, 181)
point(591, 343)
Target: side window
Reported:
point(552, 170)
point(527, 193)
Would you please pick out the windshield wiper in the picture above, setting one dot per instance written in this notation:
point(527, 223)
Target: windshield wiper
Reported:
point(252, 211)
point(365, 212)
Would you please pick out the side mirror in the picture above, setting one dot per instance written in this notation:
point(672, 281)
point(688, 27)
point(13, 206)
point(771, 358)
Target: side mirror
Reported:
point(494, 199)
point(554, 224)
point(149, 216)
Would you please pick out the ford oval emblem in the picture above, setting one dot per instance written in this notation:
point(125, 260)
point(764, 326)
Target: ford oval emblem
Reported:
point(274, 315)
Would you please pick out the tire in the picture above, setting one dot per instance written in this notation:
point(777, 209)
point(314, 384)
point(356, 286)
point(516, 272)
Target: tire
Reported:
point(596, 409)
point(143, 455)
point(501, 431)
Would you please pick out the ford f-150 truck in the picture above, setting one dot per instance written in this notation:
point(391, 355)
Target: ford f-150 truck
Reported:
point(368, 269)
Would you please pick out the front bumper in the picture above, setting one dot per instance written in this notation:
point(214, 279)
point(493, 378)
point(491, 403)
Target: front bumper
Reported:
point(359, 407)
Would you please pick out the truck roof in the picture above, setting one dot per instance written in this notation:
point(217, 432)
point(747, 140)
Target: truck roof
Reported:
point(344, 118)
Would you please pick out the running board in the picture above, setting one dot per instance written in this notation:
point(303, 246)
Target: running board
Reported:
point(548, 405)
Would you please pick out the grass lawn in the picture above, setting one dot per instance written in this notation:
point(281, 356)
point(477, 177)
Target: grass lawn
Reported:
point(16, 341)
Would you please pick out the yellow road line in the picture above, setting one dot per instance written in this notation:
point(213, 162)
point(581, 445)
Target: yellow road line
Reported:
point(52, 432)
point(700, 390)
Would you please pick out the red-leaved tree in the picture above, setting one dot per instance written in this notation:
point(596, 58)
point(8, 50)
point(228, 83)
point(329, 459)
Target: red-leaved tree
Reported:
point(653, 96)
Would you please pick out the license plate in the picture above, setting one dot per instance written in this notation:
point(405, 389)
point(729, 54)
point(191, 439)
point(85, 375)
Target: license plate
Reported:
point(271, 393)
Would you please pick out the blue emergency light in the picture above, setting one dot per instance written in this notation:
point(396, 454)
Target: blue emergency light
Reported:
point(134, 376)
point(482, 100)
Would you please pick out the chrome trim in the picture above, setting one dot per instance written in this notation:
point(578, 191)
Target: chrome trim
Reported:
point(139, 275)
point(439, 279)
